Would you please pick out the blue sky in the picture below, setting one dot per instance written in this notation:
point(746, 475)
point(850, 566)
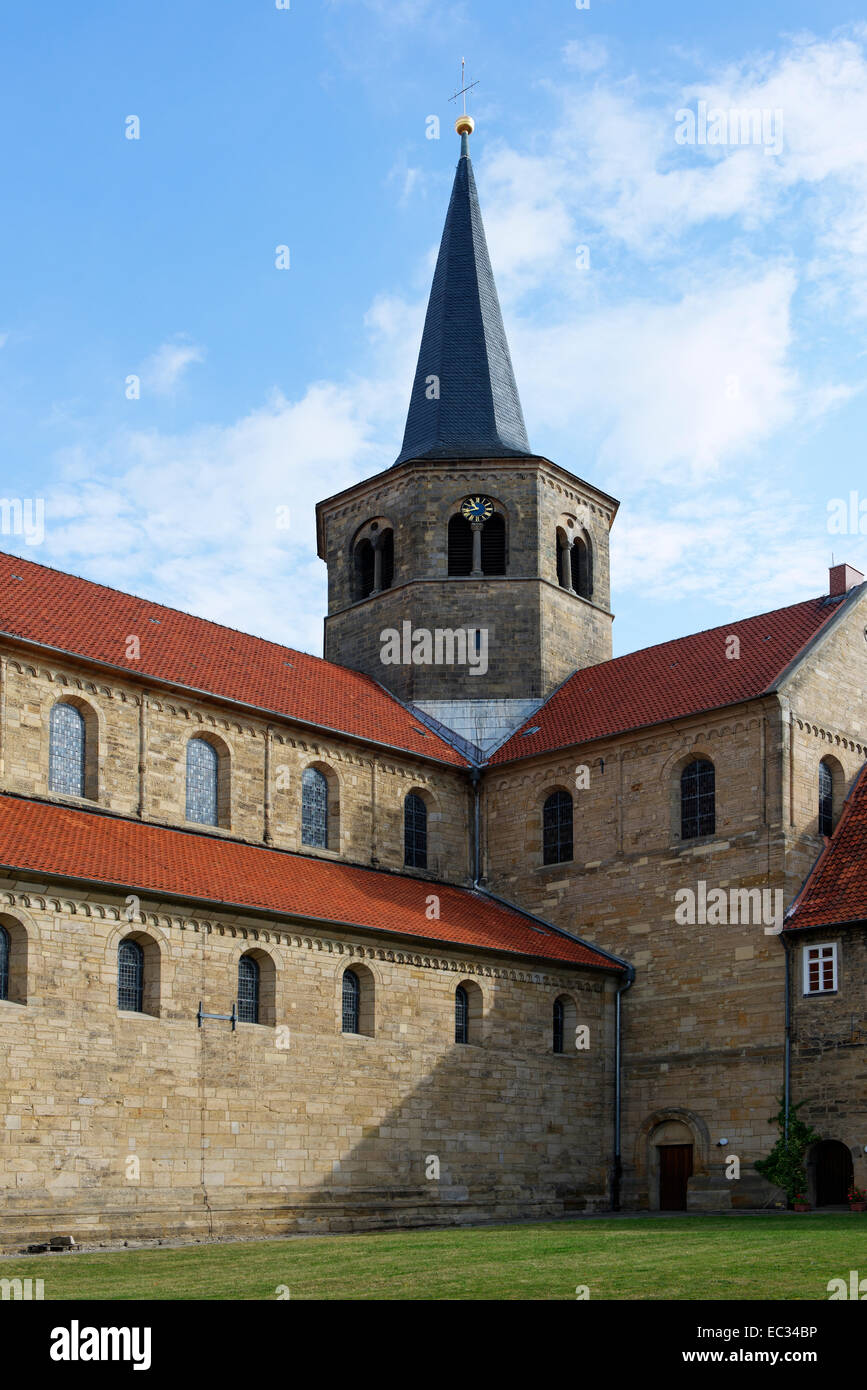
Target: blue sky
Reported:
point(707, 366)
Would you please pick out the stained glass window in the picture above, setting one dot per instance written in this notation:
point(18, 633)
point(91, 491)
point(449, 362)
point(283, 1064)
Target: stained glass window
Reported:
point(351, 996)
point(248, 990)
point(130, 976)
point(314, 808)
point(557, 828)
point(202, 771)
point(66, 747)
point(698, 799)
point(414, 832)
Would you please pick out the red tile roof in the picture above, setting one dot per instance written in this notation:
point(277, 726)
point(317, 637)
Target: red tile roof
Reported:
point(835, 890)
point(89, 620)
point(152, 860)
point(686, 676)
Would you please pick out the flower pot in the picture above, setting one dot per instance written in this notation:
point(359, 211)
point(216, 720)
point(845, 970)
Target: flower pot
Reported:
point(858, 1206)
point(802, 1206)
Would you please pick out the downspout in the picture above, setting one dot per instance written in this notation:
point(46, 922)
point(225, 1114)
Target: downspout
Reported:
point(476, 780)
point(618, 1087)
point(787, 1071)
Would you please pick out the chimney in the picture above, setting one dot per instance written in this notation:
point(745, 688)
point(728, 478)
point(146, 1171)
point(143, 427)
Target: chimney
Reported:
point(844, 578)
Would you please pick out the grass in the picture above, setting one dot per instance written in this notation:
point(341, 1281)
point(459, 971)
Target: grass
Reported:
point(712, 1257)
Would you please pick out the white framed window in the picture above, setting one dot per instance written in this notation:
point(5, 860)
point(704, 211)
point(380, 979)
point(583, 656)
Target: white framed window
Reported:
point(820, 968)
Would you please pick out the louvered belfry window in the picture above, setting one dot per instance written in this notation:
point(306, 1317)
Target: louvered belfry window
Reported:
point(462, 1015)
point(314, 808)
point(414, 832)
point(66, 751)
point(460, 545)
point(557, 828)
point(494, 545)
point(130, 976)
point(202, 777)
point(248, 990)
point(351, 1000)
point(4, 963)
point(826, 799)
point(698, 799)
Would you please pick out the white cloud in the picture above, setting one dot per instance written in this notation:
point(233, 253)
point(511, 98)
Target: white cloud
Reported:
point(163, 370)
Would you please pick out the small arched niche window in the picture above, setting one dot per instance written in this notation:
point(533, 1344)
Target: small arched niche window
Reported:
point(698, 799)
point(468, 1013)
point(351, 1002)
point(414, 832)
point(826, 798)
point(4, 963)
point(248, 990)
point(564, 1021)
point(314, 808)
point(558, 1025)
point(66, 750)
point(557, 828)
point(130, 976)
point(203, 770)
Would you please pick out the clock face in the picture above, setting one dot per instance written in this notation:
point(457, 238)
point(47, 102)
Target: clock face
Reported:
point(477, 508)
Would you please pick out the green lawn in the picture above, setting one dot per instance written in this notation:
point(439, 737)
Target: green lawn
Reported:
point(755, 1257)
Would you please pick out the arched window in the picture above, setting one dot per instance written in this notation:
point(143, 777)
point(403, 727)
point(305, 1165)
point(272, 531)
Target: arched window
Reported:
point(203, 765)
point(462, 1015)
point(826, 799)
point(66, 750)
point(364, 568)
point(248, 990)
point(4, 963)
point(582, 568)
point(414, 832)
point(460, 545)
point(494, 545)
point(557, 828)
point(130, 976)
point(351, 1002)
point(558, 1025)
point(386, 578)
point(698, 799)
point(314, 808)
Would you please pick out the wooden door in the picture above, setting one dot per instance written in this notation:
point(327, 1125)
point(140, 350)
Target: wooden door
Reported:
point(675, 1171)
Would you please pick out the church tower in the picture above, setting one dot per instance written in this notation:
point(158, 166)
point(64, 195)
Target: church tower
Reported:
point(470, 578)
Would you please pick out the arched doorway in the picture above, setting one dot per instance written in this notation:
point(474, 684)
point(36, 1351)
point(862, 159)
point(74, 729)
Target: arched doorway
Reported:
point(673, 1154)
point(830, 1168)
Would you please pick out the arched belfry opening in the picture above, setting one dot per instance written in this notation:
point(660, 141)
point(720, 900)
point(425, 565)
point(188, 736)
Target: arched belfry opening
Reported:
point(477, 548)
point(574, 559)
point(373, 559)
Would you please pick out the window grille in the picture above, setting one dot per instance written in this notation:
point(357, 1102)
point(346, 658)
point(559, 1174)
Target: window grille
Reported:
point(130, 976)
point(698, 800)
point(462, 1015)
point(4, 963)
point(66, 750)
point(558, 1025)
point(351, 1000)
point(414, 832)
point(248, 990)
point(557, 828)
point(826, 800)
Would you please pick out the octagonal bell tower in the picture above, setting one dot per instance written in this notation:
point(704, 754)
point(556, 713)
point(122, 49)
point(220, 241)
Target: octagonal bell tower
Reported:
point(471, 577)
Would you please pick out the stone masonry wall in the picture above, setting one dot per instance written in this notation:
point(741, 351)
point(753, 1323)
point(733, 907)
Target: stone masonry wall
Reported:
point(119, 1125)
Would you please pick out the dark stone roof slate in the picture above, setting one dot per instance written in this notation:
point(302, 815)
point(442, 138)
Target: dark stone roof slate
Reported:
point(478, 412)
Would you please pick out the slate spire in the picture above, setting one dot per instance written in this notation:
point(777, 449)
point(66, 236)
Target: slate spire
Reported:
point(464, 354)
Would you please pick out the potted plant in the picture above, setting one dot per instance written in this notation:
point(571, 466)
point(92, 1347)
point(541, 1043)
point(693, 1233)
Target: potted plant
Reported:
point(857, 1198)
point(801, 1202)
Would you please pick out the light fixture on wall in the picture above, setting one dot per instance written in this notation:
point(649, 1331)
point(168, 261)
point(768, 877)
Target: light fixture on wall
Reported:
point(721, 1143)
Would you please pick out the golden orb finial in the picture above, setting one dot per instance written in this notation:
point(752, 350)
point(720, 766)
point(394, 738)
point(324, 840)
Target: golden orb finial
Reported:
point(465, 125)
